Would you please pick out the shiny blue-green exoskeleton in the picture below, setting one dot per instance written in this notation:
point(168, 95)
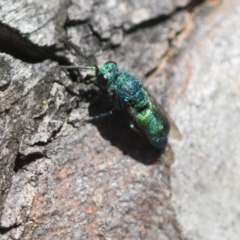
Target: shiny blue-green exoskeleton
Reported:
point(128, 93)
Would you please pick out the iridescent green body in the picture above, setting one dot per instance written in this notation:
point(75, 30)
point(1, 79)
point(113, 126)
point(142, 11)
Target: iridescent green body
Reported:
point(129, 94)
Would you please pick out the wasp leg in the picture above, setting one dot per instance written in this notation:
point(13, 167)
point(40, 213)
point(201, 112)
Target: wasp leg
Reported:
point(132, 126)
point(97, 97)
point(103, 114)
point(118, 105)
point(91, 80)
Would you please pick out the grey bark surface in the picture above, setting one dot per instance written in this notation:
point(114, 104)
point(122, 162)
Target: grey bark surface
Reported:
point(64, 178)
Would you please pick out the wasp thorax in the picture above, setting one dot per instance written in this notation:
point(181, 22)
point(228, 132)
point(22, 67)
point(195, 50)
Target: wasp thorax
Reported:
point(107, 74)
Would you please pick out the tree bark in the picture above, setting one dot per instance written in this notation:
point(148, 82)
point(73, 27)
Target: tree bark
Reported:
point(62, 177)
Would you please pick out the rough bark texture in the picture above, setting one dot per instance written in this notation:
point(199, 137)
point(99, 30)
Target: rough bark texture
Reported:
point(63, 178)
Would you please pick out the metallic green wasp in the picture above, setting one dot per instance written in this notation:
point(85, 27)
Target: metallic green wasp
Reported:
point(128, 93)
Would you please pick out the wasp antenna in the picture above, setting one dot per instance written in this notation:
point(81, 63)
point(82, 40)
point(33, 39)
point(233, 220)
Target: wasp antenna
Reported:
point(79, 52)
point(79, 67)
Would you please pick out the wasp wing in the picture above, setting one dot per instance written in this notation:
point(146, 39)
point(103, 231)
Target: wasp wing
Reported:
point(160, 111)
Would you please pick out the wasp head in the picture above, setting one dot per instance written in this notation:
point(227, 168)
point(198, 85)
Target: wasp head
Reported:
point(107, 74)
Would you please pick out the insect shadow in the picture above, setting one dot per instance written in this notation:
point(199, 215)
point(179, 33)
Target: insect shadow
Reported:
point(116, 129)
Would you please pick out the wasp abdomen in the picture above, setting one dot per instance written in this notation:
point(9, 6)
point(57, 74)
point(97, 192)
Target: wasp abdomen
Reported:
point(143, 111)
point(157, 133)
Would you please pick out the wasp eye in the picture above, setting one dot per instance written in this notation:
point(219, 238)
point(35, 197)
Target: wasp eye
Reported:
point(102, 80)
